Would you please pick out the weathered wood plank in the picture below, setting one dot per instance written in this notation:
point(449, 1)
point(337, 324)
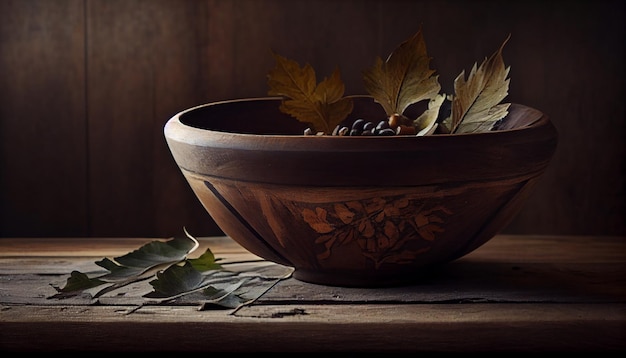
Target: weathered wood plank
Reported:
point(101, 247)
point(515, 293)
point(381, 328)
point(506, 269)
point(502, 248)
point(460, 282)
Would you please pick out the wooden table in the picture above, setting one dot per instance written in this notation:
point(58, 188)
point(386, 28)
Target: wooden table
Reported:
point(515, 293)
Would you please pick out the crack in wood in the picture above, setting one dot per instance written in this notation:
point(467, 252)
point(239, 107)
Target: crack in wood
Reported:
point(279, 314)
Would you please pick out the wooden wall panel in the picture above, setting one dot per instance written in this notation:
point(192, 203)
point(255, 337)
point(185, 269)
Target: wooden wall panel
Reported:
point(42, 118)
point(144, 65)
point(570, 64)
point(112, 72)
point(565, 58)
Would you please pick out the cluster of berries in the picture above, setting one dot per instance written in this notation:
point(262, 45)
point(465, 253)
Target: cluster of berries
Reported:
point(361, 127)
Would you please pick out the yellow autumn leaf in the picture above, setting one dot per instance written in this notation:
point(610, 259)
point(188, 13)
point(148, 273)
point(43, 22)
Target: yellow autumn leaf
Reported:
point(476, 103)
point(404, 78)
point(320, 105)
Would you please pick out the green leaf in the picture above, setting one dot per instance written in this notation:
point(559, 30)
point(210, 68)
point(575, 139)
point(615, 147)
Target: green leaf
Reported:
point(117, 272)
point(159, 252)
point(176, 280)
point(134, 266)
point(150, 256)
point(76, 284)
point(205, 262)
point(201, 279)
point(217, 287)
point(179, 280)
point(225, 297)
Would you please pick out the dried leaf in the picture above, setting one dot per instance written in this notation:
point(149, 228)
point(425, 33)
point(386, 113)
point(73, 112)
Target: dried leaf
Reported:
point(476, 104)
point(425, 123)
point(320, 105)
point(405, 78)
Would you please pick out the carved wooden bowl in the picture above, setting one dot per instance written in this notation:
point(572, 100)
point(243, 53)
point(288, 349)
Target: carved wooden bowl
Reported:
point(356, 211)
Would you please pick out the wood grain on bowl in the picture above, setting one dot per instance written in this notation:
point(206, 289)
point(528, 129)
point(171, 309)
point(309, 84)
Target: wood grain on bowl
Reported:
point(356, 211)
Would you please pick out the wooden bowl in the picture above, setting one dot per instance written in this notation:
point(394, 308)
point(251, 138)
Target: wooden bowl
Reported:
point(356, 211)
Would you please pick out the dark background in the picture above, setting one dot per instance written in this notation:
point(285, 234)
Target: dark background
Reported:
point(86, 87)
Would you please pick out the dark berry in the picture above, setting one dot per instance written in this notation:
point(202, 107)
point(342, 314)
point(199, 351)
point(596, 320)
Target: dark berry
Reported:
point(382, 125)
point(387, 132)
point(358, 124)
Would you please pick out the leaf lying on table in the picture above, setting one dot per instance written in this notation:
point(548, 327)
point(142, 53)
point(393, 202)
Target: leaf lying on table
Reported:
point(177, 281)
point(174, 275)
point(148, 257)
point(77, 283)
point(134, 266)
point(223, 288)
point(205, 262)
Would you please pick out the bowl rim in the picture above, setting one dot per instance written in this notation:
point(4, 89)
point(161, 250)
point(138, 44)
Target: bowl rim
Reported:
point(175, 120)
point(325, 161)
